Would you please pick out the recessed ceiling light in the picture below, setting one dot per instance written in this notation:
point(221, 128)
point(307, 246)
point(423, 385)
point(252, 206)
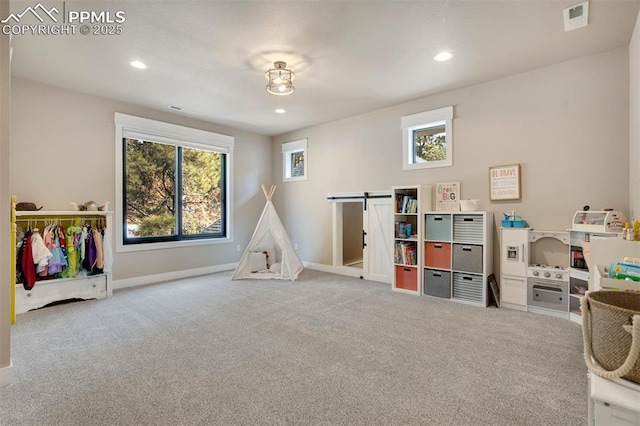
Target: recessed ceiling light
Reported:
point(138, 64)
point(281, 111)
point(443, 56)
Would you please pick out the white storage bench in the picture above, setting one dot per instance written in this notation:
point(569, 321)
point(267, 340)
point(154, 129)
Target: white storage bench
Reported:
point(46, 292)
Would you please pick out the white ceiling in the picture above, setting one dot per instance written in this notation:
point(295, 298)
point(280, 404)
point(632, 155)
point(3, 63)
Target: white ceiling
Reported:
point(350, 57)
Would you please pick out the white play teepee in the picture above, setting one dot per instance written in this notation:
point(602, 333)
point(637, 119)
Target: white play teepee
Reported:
point(270, 254)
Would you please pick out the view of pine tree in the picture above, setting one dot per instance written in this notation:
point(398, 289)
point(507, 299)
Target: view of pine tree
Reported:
point(151, 170)
point(201, 192)
point(430, 146)
point(151, 189)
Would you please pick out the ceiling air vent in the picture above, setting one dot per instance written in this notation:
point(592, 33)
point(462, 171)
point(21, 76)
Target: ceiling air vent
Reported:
point(576, 16)
point(177, 108)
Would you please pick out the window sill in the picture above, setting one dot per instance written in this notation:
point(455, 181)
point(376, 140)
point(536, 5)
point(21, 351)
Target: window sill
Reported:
point(427, 165)
point(293, 179)
point(121, 248)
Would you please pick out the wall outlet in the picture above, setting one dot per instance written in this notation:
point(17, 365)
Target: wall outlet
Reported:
point(238, 248)
point(295, 246)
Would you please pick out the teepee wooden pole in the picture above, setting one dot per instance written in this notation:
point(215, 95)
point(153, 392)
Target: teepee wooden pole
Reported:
point(269, 194)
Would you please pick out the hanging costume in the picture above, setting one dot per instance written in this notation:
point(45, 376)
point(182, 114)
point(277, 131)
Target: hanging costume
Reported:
point(27, 266)
point(97, 267)
point(40, 252)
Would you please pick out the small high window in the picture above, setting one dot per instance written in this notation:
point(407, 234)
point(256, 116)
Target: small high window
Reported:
point(294, 160)
point(427, 139)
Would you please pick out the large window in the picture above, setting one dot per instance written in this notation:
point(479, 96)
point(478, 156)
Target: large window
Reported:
point(173, 183)
point(427, 139)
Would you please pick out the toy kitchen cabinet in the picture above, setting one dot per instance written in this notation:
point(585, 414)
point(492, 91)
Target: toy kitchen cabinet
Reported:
point(514, 248)
point(534, 273)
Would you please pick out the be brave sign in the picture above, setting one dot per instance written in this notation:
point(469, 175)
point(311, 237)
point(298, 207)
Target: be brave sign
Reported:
point(504, 182)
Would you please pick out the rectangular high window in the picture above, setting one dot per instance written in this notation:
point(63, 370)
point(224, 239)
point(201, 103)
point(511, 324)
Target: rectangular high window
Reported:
point(294, 161)
point(427, 139)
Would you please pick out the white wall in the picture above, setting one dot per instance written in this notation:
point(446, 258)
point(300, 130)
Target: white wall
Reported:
point(63, 151)
point(634, 121)
point(566, 124)
point(5, 205)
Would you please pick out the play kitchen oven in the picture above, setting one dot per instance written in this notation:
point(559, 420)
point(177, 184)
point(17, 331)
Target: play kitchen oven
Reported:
point(548, 287)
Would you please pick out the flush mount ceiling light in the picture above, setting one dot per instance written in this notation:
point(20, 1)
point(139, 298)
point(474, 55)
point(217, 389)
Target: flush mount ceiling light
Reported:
point(280, 79)
point(443, 56)
point(280, 111)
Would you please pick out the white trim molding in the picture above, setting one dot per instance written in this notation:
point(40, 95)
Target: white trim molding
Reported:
point(170, 276)
point(188, 273)
point(6, 375)
point(340, 270)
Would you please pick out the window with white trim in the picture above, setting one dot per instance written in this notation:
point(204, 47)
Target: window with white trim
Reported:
point(294, 160)
point(173, 185)
point(427, 139)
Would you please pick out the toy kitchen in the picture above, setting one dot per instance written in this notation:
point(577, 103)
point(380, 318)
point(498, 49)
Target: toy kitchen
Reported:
point(546, 272)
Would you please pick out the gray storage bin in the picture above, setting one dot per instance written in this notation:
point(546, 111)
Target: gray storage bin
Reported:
point(468, 287)
point(437, 283)
point(468, 228)
point(437, 227)
point(467, 258)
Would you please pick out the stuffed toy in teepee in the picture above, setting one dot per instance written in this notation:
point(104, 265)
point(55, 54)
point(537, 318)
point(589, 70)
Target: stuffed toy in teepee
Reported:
point(270, 254)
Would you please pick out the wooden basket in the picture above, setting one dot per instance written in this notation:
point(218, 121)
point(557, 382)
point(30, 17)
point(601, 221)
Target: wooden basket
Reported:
point(611, 331)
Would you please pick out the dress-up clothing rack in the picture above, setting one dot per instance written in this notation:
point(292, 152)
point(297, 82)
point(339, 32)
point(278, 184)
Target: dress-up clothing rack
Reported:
point(89, 286)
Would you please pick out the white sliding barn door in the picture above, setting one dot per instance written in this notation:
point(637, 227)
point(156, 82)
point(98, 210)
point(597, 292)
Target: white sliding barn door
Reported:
point(377, 254)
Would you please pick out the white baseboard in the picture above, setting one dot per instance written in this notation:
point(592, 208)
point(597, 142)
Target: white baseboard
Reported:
point(6, 376)
point(550, 312)
point(340, 270)
point(174, 275)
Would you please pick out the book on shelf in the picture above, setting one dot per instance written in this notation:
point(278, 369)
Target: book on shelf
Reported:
point(398, 203)
point(406, 204)
point(403, 230)
point(405, 253)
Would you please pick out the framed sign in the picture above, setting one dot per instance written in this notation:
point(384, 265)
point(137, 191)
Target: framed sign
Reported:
point(504, 182)
point(447, 196)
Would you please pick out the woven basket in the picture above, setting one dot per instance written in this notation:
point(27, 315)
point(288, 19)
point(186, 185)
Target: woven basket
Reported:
point(611, 331)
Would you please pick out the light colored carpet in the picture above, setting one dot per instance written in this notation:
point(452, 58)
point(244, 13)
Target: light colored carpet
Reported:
point(324, 350)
